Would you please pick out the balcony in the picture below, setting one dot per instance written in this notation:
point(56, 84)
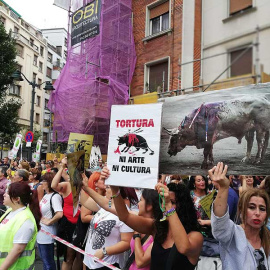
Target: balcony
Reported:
point(24, 40)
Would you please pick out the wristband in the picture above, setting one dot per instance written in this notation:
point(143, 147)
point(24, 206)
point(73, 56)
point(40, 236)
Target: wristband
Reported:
point(168, 214)
point(110, 203)
point(104, 251)
point(116, 195)
point(136, 235)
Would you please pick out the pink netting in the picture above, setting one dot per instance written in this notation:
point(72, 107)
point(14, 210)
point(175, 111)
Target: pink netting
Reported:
point(85, 92)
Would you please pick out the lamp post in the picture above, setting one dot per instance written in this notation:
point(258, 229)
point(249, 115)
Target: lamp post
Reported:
point(17, 76)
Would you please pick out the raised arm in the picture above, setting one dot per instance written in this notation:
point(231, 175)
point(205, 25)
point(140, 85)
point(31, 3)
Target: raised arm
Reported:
point(94, 199)
point(218, 175)
point(186, 244)
point(138, 223)
point(56, 185)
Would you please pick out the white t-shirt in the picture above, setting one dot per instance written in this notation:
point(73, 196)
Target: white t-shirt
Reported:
point(45, 210)
point(25, 232)
point(104, 231)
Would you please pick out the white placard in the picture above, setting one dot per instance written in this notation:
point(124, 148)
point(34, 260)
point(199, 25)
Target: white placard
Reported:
point(134, 142)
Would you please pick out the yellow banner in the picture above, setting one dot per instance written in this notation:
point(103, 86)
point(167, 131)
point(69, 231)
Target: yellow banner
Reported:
point(78, 142)
point(206, 203)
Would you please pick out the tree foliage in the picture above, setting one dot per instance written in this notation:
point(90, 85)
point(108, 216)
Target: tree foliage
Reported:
point(9, 107)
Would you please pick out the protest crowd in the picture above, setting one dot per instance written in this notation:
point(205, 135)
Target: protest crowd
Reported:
point(217, 221)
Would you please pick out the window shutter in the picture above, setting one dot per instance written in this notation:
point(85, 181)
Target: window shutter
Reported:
point(156, 76)
point(238, 5)
point(243, 65)
point(159, 10)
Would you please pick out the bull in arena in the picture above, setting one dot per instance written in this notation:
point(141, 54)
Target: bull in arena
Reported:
point(212, 122)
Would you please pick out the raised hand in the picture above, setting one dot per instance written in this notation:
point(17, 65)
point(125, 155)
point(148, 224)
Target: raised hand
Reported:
point(105, 173)
point(163, 190)
point(85, 181)
point(218, 175)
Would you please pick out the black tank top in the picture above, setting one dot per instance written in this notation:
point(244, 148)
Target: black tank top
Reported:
point(159, 257)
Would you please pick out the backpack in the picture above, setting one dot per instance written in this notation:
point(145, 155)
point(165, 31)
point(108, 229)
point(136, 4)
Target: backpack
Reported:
point(51, 207)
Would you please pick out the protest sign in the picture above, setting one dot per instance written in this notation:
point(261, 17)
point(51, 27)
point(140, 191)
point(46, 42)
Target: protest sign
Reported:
point(75, 163)
point(12, 154)
point(36, 155)
point(134, 142)
point(78, 142)
point(206, 203)
point(201, 129)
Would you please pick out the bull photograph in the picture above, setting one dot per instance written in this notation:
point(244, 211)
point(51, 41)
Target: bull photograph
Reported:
point(229, 125)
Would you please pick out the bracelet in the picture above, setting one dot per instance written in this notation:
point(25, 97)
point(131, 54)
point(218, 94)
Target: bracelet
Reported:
point(171, 213)
point(110, 203)
point(116, 195)
point(136, 235)
point(168, 214)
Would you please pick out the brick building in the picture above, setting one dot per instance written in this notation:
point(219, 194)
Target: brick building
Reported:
point(167, 34)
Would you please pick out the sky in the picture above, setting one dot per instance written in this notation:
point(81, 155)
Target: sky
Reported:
point(40, 13)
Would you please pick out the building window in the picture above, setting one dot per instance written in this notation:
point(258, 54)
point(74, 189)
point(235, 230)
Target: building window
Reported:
point(59, 50)
point(19, 49)
point(46, 104)
point(31, 42)
point(66, 42)
point(34, 77)
point(159, 23)
point(237, 6)
point(14, 15)
point(49, 72)
point(15, 89)
point(40, 66)
point(37, 118)
point(39, 83)
point(159, 18)
point(38, 101)
point(19, 67)
point(41, 51)
point(157, 76)
point(2, 20)
point(65, 54)
point(243, 65)
point(16, 29)
point(50, 57)
point(35, 60)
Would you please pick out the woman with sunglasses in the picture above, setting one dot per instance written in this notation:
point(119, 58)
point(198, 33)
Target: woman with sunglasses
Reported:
point(244, 246)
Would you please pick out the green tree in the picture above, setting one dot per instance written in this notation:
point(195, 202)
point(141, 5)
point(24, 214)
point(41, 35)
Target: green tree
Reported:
point(9, 107)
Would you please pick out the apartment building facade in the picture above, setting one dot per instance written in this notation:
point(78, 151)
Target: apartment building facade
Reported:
point(31, 59)
point(56, 59)
point(39, 59)
point(236, 35)
point(167, 34)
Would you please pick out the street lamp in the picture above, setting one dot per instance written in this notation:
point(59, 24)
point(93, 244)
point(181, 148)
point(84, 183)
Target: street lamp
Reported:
point(17, 76)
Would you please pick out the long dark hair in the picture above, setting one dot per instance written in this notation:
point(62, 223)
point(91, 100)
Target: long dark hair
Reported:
point(191, 184)
point(185, 210)
point(27, 197)
point(129, 193)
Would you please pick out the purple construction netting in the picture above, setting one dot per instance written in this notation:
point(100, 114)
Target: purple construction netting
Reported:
point(84, 92)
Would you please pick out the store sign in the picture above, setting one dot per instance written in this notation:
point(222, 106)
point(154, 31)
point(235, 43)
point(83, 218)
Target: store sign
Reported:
point(85, 22)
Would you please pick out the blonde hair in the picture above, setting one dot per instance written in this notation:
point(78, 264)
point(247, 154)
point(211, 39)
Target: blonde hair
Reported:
point(242, 213)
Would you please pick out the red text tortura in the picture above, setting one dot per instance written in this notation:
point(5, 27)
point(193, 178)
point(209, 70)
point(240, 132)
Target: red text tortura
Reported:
point(135, 123)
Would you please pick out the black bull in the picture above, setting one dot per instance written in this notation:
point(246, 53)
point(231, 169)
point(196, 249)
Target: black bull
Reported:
point(216, 121)
point(134, 140)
